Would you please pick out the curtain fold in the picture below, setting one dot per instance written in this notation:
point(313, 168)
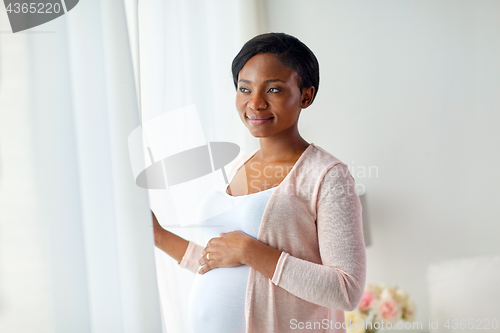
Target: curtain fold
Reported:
point(96, 221)
point(82, 95)
point(24, 271)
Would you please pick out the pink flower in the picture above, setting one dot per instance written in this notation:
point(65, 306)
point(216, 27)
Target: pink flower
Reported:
point(366, 301)
point(388, 310)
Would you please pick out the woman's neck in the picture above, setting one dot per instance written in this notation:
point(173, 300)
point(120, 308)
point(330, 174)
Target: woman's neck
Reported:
point(283, 147)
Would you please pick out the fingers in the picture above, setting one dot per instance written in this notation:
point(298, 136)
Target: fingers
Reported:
point(204, 257)
point(210, 257)
point(209, 249)
point(208, 266)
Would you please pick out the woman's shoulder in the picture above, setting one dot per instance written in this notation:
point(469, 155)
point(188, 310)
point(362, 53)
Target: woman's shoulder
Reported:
point(320, 163)
point(320, 159)
point(322, 155)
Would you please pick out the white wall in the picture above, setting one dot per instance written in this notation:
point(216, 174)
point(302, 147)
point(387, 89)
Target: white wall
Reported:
point(413, 88)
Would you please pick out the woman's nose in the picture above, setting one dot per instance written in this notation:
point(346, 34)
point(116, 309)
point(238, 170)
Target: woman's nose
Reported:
point(257, 102)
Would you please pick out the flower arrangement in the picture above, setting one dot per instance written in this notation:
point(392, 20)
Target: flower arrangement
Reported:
point(380, 304)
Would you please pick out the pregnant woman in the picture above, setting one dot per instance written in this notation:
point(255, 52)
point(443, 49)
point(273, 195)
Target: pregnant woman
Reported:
point(287, 253)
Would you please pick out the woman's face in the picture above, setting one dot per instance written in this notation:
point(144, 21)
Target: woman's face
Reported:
point(268, 98)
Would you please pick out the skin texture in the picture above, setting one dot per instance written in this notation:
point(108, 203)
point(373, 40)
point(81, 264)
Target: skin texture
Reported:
point(267, 89)
point(168, 242)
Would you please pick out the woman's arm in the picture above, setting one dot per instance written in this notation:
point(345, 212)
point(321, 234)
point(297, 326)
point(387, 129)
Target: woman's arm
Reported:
point(340, 280)
point(168, 242)
point(186, 253)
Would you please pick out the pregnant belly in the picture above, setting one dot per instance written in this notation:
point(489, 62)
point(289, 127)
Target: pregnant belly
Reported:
point(217, 300)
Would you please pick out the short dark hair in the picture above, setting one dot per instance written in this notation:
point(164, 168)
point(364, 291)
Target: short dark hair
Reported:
point(288, 50)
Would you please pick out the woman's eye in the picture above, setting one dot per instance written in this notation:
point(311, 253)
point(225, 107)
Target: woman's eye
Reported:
point(274, 90)
point(244, 90)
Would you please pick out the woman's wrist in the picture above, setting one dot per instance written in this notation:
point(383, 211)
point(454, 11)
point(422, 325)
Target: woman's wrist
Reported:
point(246, 250)
point(260, 257)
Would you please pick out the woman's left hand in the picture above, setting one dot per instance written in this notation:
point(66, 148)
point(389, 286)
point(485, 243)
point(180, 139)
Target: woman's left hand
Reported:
point(225, 251)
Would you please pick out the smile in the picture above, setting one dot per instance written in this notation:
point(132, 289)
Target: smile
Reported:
point(258, 120)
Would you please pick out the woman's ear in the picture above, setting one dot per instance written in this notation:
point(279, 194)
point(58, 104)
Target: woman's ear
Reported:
point(307, 97)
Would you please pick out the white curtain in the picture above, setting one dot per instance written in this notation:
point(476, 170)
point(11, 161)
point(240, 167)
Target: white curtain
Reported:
point(186, 50)
point(76, 241)
point(76, 232)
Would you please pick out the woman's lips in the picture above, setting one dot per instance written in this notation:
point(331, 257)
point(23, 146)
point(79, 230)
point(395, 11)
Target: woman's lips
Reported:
point(259, 121)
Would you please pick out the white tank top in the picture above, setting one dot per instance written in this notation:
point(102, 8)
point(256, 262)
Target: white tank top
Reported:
point(217, 299)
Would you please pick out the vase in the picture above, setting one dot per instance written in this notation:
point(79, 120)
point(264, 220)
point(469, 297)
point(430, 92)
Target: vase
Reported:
point(369, 328)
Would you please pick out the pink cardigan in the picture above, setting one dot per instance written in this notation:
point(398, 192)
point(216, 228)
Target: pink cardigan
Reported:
point(314, 218)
